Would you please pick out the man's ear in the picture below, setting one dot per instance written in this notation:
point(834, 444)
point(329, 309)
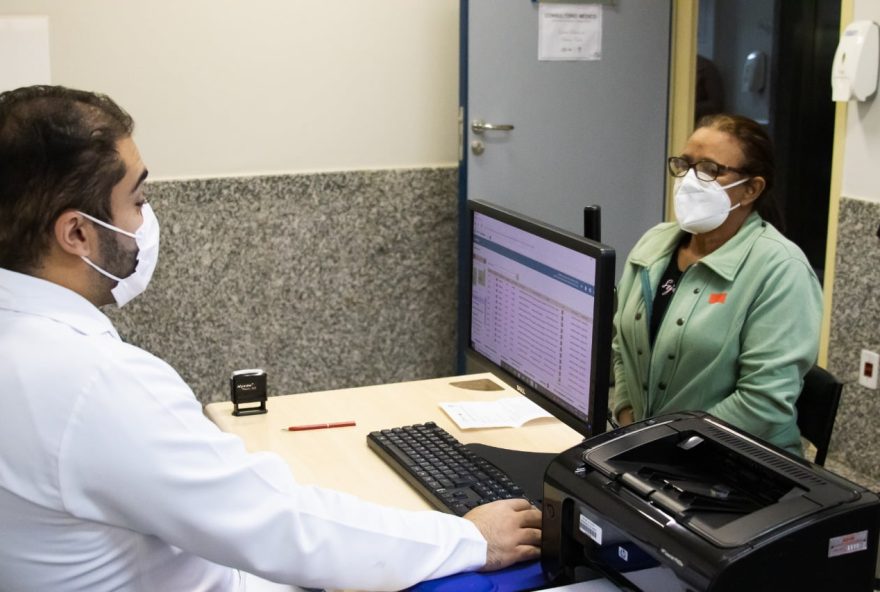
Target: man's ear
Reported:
point(75, 235)
point(754, 188)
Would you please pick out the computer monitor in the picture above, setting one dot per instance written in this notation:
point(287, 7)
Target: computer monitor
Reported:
point(539, 312)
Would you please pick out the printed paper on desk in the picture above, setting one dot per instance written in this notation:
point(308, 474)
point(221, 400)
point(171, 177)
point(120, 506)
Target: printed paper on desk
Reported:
point(511, 412)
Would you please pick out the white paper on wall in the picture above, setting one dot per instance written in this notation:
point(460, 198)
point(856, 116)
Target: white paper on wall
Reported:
point(569, 32)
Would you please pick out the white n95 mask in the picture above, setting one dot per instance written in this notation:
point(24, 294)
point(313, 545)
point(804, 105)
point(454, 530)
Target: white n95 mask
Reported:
point(701, 206)
point(147, 239)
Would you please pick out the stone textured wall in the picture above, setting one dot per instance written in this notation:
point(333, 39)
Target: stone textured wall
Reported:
point(326, 280)
point(855, 325)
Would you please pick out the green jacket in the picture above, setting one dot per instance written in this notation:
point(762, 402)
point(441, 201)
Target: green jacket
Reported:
point(737, 338)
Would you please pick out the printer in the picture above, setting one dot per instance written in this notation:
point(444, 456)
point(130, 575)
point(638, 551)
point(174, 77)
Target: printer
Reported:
point(686, 502)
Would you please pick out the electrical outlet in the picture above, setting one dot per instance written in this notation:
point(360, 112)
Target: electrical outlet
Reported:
point(869, 369)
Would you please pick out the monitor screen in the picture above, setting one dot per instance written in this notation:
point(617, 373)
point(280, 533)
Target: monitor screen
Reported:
point(540, 310)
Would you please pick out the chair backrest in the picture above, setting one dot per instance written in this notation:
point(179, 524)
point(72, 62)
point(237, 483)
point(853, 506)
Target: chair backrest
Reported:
point(817, 409)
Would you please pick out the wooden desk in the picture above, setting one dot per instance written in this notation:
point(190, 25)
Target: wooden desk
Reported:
point(339, 458)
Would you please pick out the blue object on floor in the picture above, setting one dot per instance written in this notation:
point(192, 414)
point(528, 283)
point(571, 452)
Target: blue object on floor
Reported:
point(516, 578)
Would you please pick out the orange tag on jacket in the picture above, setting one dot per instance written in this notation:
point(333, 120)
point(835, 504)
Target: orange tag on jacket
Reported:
point(717, 298)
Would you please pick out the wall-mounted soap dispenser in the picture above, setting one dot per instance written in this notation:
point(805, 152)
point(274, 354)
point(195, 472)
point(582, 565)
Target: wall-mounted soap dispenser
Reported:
point(854, 72)
point(754, 72)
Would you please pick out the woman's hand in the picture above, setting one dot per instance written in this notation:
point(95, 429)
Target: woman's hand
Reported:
point(625, 416)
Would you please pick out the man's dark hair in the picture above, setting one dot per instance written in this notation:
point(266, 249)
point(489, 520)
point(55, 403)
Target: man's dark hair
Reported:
point(57, 153)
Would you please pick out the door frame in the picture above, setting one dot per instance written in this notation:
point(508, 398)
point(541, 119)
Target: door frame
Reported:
point(847, 11)
point(682, 83)
point(463, 228)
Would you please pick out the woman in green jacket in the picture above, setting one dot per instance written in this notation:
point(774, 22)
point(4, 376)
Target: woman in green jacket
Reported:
point(718, 311)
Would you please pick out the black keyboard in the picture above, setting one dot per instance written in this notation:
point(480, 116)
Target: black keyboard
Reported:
point(451, 477)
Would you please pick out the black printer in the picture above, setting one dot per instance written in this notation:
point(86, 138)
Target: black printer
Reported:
point(687, 502)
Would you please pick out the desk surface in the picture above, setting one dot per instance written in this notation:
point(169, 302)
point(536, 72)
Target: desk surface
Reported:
point(339, 458)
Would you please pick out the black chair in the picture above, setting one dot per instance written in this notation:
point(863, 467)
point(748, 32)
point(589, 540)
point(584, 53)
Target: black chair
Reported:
point(817, 409)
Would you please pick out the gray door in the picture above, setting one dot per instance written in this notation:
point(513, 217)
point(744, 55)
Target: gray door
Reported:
point(589, 132)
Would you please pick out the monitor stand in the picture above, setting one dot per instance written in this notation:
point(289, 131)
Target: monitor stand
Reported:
point(526, 469)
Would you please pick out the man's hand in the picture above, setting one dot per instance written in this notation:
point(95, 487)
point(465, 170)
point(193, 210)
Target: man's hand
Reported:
point(512, 529)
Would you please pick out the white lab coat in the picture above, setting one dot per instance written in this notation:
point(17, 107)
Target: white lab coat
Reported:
point(112, 478)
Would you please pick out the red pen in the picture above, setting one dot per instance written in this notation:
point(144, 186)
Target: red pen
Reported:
point(319, 426)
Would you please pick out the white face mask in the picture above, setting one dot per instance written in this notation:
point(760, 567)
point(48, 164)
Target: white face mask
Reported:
point(147, 239)
point(702, 206)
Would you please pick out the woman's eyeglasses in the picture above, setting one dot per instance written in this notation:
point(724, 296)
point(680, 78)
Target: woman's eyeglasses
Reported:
point(706, 170)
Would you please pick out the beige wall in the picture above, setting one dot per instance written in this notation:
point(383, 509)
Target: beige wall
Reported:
point(228, 87)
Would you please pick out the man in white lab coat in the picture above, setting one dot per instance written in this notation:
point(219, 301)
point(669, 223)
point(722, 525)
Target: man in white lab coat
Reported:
point(110, 475)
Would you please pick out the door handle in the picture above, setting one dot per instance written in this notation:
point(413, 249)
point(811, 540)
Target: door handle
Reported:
point(479, 126)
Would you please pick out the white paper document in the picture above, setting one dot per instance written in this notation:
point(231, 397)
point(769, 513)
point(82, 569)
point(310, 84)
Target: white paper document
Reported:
point(569, 32)
point(511, 412)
